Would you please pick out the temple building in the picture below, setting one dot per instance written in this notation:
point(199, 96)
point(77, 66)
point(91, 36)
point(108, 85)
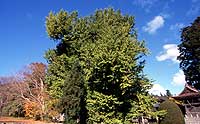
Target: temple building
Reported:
point(189, 100)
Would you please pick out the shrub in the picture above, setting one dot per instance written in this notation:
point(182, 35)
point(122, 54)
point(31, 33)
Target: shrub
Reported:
point(174, 114)
point(32, 110)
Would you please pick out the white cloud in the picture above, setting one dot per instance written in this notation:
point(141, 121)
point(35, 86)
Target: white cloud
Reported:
point(154, 25)
point(177, 26)
point(170, 52)
point(179, 79)
point(157, 89)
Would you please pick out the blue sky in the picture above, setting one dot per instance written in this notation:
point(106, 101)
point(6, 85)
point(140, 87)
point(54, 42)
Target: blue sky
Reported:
point(24, 39)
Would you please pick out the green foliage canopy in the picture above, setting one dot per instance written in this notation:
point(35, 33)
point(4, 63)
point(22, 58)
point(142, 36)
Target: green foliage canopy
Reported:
point(110, 56)
point(59, 28)
point(73, 99)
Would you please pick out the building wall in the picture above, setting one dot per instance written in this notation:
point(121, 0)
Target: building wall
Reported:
point(192, 120)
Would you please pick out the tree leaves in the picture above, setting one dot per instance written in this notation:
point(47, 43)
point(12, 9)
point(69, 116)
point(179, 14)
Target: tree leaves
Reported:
point(190, 53)
point(110, 55)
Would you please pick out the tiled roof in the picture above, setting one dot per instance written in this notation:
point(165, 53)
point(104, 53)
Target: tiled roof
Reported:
point(187, 96)
point(188, 93)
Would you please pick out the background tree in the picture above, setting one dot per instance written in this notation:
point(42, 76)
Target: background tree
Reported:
point(110, 56)
point(32, 89)
point(24, 95)
point(168, 93)
point(190, 53)
point(10, 102)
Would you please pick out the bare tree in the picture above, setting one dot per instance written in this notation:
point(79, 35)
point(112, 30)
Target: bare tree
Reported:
point(31, 87)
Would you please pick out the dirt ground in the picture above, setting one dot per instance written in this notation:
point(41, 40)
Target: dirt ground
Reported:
point(11, 120)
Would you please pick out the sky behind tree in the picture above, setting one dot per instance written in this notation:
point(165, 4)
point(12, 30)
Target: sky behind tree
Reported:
point(158, 22)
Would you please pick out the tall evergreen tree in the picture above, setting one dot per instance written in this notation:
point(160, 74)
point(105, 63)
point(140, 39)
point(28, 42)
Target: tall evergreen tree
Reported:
point(110, 56)
point(190, 53)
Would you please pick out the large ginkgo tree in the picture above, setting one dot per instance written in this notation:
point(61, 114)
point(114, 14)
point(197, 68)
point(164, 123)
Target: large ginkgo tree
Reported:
point(110, 60)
